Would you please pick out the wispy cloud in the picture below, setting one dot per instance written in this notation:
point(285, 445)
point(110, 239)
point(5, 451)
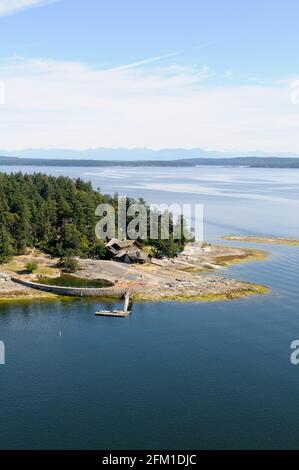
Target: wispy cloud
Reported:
point(69, 104)
point(10, 7)
point(144, 62)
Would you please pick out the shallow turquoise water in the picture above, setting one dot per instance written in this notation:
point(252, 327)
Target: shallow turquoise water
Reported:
point(172, 375)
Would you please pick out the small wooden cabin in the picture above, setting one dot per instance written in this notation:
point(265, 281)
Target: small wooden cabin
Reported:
point(127, 251)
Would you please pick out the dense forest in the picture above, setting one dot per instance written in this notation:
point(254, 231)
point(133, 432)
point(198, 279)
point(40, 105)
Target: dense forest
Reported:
point(250, 162)
point(57, 216)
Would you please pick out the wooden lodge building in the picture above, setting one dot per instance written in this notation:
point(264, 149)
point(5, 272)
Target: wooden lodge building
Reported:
point(127, 251)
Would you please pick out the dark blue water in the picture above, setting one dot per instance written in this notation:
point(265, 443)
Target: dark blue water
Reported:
point(173, 375)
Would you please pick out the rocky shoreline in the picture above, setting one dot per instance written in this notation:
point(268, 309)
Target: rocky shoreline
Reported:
point(175, 279)
point(262, 239)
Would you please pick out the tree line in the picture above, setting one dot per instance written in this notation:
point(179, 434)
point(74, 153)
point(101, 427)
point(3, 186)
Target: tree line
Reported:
point(57, 216)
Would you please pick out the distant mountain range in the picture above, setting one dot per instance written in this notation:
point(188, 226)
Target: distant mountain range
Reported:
point(139, 154)
point(251, 162)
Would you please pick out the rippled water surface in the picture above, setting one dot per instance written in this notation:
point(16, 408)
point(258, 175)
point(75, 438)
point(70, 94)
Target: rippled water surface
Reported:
point(172, 375)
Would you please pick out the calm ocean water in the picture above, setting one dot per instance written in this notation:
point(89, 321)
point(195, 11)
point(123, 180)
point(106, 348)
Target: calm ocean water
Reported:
point(173, 375)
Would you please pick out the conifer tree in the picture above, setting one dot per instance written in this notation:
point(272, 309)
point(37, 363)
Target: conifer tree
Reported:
point(6, 249)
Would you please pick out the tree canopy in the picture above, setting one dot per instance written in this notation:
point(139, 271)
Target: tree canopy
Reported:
point(56, 215)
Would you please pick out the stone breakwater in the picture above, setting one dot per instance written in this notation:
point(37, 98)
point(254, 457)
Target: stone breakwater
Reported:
point(73, 291)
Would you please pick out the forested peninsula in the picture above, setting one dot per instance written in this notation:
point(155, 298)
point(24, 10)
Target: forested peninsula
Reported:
point(57, 216)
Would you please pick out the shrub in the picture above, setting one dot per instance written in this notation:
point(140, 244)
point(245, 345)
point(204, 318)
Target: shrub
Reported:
point(98, 250)
point(69, 265)
point(31, 266)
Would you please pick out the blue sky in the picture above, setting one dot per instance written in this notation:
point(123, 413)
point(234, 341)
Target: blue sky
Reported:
point(219, 74)
point(252, 37)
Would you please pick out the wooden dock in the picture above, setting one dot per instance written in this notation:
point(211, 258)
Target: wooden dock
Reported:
point(117, 313)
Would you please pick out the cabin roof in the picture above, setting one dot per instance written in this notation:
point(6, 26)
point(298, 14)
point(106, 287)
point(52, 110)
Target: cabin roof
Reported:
point(131, 248)
point(114, 242)
point(132, 253)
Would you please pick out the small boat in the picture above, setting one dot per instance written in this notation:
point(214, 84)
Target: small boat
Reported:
point(117, 313)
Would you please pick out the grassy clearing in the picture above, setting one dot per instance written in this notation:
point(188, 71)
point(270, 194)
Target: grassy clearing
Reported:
point(194, 269)
point(18, 266)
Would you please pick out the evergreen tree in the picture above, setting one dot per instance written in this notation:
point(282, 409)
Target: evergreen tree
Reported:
point(6, 248)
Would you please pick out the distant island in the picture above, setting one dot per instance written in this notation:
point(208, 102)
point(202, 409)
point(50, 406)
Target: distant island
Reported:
point(262, 239)
point(249, 162)
point(138, 153)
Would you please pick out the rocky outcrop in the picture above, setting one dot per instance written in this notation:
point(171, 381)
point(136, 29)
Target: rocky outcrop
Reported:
point(4, 277)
